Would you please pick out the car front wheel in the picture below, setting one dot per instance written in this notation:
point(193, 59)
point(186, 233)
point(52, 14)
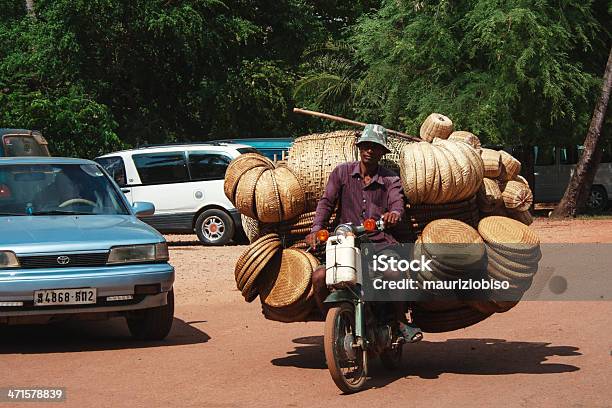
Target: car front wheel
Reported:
point(214, 227)
point(154, 323)
point(598, 199)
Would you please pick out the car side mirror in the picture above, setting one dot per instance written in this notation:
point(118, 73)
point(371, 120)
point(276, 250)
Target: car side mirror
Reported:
point(143, 208)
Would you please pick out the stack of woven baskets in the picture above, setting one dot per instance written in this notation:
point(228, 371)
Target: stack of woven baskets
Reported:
point(504, 191)
point(450, 182)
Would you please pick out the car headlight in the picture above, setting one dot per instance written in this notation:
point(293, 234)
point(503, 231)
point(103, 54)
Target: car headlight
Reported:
point(138, 253)
point(8, 259)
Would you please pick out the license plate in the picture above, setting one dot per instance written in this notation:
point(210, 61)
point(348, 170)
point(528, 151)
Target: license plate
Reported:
point(55, 297)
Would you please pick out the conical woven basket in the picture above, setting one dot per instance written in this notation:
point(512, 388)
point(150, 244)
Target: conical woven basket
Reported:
point(489, 196)
point(245, 192)
point(517, 196)
point(492, 163)
point(436, 125)
point(508, 234)
point(465, 137)
point(292, 281)
point(246, 257)
point(312, 158)
point(512, 167)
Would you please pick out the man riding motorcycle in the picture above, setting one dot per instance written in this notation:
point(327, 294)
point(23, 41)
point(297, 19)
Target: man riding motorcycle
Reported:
point(364, 189)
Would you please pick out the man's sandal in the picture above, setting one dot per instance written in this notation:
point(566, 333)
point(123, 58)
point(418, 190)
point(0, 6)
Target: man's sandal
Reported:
point(410, 332)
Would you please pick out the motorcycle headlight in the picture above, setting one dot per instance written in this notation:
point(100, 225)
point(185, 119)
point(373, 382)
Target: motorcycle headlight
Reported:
point(8, 259)
point(344, 230)
point(139, 253)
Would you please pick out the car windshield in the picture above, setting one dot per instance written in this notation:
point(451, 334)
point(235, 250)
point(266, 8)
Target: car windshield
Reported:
point(23, 145)
point(57, 189)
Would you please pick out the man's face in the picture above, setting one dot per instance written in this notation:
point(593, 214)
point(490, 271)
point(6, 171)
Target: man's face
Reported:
point(371, 153)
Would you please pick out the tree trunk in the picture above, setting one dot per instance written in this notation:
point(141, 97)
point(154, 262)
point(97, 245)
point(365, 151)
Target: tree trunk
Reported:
point(29, 4)
point(580, 184)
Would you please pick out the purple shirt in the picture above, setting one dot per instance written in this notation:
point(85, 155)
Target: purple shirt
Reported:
point(357, 201)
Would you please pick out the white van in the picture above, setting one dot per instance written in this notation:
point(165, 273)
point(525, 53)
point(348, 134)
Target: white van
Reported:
point(554, 166)
point(185, 183)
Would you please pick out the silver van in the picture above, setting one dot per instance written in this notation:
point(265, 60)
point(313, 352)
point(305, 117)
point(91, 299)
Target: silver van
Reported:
point(554, 166)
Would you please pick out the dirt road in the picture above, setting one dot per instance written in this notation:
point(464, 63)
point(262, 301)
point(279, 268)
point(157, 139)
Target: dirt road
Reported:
point(223, 353)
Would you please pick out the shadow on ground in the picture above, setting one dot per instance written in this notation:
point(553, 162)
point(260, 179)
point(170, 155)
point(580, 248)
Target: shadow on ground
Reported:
point(75, 336)
point(429, 360)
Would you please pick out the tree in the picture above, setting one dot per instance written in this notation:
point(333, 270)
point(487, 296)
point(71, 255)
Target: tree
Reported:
point(579, 187)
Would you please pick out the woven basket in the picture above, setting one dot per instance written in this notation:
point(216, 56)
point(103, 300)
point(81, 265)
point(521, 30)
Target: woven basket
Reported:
point(291, 193)
point(489, 196)
point(392, 160)
point(521, 179)
point(465, 137)
point(492, 163)
point(523, 216)
point(465, 246)
point(477, 165)
point(408, 174)
point(462, 170)
point(436, 125)
point(517, 196)
point(312, 158)
point(238, 167)
point(245, 192)
point(508, 235)
point(267, 198)
point(250, 289)
point(246, 258)
point(430, 171)
point(448, 320)
point(292, 281)
point(511, 166)
point(510, 268)
point(446, 184)
point(251, 227)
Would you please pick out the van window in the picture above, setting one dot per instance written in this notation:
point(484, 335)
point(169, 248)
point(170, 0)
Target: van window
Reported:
point(115, 167)
point(544, 155)
point(161, 168)
point(568, 155)
point(208, 166)
point(23, 145)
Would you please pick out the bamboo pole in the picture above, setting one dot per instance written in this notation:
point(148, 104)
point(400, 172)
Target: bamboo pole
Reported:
point(350, 122)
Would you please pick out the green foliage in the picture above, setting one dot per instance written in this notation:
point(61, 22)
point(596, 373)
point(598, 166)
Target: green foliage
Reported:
point(512, 72)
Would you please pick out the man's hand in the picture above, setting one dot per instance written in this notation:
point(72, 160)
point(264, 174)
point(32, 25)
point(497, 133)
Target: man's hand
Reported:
point(311, 240)
point(390, 219)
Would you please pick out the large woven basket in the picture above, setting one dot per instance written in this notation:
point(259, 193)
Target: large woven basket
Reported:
point(507, 234)
point(489, 196)
point(436, 125)
point(312, 158)
point(238, 167)
point(453, 242)
point(511, 166)
point(466, 177)
point(517, 196)
point(267, 198)
point(396, 144)
point(292, 197)
point(465, 137)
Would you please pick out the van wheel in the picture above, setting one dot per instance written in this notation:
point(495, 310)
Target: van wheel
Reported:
point(214, 227)
point(598, 199)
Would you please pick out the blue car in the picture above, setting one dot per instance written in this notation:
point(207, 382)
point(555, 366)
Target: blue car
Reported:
point(72, 247)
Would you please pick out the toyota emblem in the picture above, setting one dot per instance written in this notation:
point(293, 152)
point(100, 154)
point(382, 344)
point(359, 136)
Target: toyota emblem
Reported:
point(63, 260)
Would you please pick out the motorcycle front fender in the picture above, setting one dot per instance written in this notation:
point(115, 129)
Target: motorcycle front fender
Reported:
point(341, 295)
point(345, 295)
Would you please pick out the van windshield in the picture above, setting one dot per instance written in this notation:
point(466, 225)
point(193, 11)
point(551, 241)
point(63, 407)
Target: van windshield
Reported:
point(23, 145)
point(57, 189)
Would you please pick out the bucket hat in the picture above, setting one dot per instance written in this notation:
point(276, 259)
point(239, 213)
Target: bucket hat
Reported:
point(374, 134)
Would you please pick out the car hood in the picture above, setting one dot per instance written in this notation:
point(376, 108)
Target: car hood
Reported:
point(45, 234)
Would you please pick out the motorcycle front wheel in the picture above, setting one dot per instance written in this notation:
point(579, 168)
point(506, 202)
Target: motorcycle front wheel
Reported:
point(347, 362)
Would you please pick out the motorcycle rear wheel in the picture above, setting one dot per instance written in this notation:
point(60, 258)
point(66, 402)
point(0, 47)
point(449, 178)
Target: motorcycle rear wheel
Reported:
point(347, 364)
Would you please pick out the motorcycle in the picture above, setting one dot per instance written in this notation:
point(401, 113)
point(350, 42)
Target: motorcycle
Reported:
point(355, 330)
